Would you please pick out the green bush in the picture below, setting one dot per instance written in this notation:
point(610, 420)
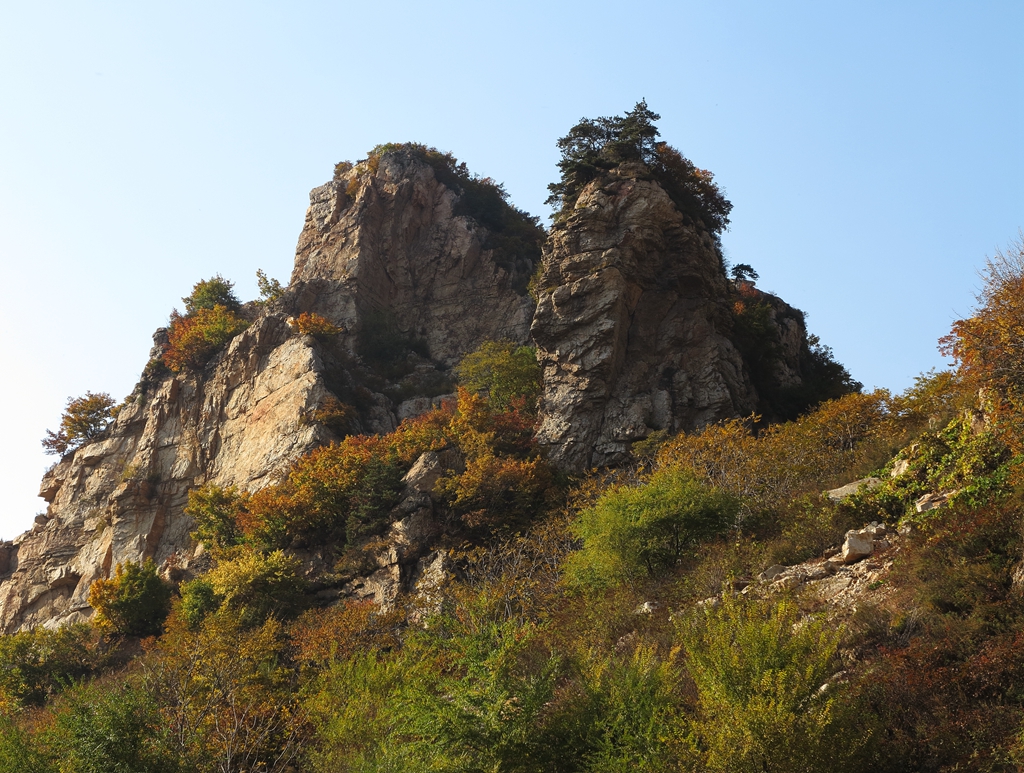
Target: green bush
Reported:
point(108, 728)
point(504, 372)
point(198, 599)
point(270, 289)
point(757, 668)
point(209, 293)
point(643, 530)
point(19, 753)
point(135, 602)
point(628, 708)
point(213, 508)
point(38, 663)
point(253, 586)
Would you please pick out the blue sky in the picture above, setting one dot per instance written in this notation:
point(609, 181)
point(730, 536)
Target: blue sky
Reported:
point(872, 151)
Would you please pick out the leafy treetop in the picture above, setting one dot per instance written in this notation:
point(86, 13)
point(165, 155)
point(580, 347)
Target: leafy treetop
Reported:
point(744, 272)
point(84, 419)
point(270, 289)
point(208, 293)
point(596, 145)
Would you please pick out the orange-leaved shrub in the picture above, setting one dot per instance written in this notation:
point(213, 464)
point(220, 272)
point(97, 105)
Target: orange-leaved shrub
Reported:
point(989, 345)
point(309, 323)
point(344, 492)
point(84, 419)
point(193, 339)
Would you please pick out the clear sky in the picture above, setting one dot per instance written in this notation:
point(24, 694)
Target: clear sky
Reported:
point(872, 150)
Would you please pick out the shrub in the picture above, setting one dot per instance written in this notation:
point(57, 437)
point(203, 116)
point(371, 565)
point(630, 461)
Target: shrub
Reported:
point(632, 531)
point(503, 372)
point(337, 416)
point(192, 340)
point(84, 419)
point(198, 599)
point(989, 346)
point(253, 586)
point(19, 753)
point(335, 634)
point(134, 602)
point(769, 469)
point(213, 508)
point(108, 728)
point(225, 695)
point(209, 293)
point(757, 668)
point(312, 324)
point(38, 663)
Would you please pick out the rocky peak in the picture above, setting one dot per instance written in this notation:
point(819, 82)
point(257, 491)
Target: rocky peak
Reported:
point(387, 242)
point(635, 325)
point(386, 255)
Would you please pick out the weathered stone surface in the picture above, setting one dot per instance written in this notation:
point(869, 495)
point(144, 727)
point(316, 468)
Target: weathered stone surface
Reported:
point(864, 484)
point(856, 546)
point(397, 247)
point(394, 251)
point(633, 331)
point(632, 325)
point(120, 497)
point(933, 501)
point(771, 573)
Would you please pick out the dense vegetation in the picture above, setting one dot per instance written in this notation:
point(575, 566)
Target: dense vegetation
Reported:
point(212, 318)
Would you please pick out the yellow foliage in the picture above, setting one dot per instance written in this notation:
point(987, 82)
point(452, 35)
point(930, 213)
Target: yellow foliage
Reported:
point(225, 697)
point(767, 469)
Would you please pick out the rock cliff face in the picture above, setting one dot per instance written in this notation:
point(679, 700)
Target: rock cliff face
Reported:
point(120, 497)
point(634, 326)
point(387, 247)
point(391, 255)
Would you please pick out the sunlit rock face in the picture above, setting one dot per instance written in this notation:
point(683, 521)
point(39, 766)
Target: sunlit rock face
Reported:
point(633, 325)
point(120, 497)
point(390, 243)
point(390, 252)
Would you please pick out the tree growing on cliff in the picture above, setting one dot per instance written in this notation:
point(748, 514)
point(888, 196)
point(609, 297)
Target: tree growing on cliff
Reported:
point(210, 293)
point(83, 420)
point(596, 145)
point(504, 372)
point(211, 319)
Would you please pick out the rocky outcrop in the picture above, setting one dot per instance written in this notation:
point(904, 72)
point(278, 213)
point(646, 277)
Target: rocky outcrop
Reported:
point(382, 251)
point(120, 497)
point(634, 325)
point(386, 247)
point(864, 485)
